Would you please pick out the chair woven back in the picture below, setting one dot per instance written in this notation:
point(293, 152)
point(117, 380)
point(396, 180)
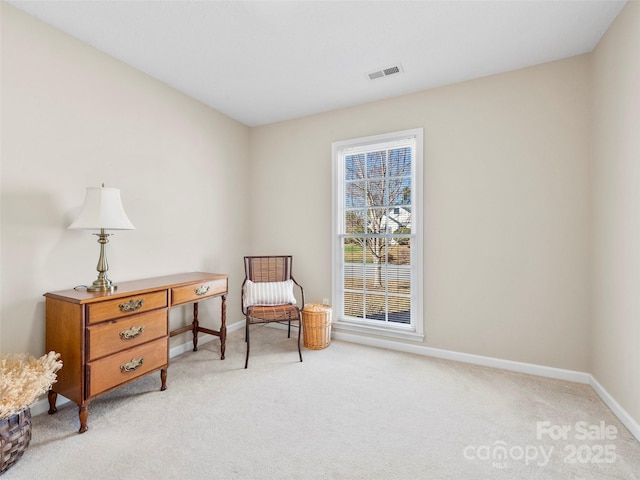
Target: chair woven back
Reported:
point(268, 269)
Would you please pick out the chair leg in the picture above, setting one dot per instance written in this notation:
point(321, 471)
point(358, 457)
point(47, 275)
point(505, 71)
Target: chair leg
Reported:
point(289, 332)
point(299, 331)
point(246, 336)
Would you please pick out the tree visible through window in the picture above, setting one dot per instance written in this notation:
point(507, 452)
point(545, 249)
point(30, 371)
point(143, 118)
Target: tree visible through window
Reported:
point(375, 185)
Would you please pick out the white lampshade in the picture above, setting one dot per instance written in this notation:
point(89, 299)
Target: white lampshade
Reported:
point(102, 209)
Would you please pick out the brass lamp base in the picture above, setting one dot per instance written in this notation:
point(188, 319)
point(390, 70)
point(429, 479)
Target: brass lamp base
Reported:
point(102, 283)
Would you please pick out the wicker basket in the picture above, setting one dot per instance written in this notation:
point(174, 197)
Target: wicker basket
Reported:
point(15, 435)
point(316, 326)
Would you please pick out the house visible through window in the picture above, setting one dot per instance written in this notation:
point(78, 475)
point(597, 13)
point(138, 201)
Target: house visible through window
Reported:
point(377, 242)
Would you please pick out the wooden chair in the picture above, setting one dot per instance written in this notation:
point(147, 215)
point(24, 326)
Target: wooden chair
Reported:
point(268, 294)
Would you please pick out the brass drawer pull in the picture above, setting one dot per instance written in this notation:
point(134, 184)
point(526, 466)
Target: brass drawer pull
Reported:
point(131, 305)
point(132, 365)
point(133, 332)
point(202, 290)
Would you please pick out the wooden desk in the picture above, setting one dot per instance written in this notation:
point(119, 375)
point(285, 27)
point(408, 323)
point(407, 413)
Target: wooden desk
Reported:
point(109, 339)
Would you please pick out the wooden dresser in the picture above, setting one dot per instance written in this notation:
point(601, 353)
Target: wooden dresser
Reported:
point(108, 339)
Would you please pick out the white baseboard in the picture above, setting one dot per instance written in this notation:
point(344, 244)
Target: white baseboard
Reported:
point(615, 407)
point(42, 405)
point(528, 368)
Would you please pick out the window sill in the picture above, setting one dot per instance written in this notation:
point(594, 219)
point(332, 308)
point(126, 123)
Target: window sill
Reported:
point(342, 326)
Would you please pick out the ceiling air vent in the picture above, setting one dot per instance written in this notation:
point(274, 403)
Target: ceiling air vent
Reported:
point(385, 72)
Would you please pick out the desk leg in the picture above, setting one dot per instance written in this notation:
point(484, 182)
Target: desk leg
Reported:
point(195, 324)
point(223, 327)
point(163, 379)
point(83, 415)
point(53, 396)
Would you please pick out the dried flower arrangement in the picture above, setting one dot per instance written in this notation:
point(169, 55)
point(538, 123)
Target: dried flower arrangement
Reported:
point(23, 378)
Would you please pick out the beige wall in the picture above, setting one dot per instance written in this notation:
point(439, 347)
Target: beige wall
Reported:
point(506, 179)
point(73, 117)
point(615, 326)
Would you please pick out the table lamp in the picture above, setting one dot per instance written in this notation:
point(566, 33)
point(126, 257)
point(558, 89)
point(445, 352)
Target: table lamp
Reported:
point(102, 210)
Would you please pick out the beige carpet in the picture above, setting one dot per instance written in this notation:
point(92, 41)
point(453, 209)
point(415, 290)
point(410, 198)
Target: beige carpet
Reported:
point(347, 412)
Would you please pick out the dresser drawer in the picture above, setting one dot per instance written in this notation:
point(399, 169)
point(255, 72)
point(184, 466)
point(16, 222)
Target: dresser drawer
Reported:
point(114, 370)
point(115, 335)
point(123, 307)
point(197, 291)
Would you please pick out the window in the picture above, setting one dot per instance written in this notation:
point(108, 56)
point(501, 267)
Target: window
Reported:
point(377, 234)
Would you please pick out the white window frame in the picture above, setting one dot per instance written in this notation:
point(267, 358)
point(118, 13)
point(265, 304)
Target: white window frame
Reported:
point(415, 330)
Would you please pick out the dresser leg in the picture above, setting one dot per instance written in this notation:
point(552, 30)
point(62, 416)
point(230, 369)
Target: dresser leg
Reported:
point(83, 415)
point(163, 379)
point(223, 327)
point(53, 396)
point(196, 324)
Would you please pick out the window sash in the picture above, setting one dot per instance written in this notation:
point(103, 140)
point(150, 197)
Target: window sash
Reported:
point(344, 180)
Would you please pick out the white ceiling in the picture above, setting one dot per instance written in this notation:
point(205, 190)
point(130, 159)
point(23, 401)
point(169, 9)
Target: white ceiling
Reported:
point(265, 61)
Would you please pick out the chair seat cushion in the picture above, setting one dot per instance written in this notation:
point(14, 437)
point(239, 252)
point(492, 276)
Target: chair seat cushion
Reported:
point(268, 293)
point(277, 313)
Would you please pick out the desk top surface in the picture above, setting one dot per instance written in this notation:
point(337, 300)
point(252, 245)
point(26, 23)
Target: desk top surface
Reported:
point(125, 289)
